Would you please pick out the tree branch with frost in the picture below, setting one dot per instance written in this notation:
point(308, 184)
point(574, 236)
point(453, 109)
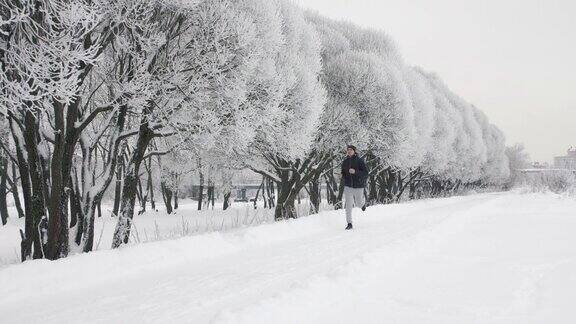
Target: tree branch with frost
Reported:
point(102, 132)
point(157, 153)
point(82, 124)
point(267, 174)
point(127, 134)
point(8, 152)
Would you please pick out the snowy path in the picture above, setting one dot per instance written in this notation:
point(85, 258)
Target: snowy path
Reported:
point(490, 258)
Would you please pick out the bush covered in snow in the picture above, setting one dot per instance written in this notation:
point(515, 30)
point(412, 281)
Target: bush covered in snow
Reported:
point(558, 181)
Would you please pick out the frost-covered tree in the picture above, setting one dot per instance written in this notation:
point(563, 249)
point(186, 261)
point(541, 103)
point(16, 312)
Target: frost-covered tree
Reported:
point(469, 146)
point(496, 170)
point(142, 93)
point(48, 49)
point(461, 143)
point(282, 150)
point(371, 106)
point(174, 167)
point(419, 146)
point(372, 99)
point(201, 67)
point(518, 159)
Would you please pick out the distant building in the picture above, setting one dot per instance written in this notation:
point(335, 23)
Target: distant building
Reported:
point(567, 162)
point(246, 191)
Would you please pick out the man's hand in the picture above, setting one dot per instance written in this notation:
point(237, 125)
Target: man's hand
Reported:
point(352, 171)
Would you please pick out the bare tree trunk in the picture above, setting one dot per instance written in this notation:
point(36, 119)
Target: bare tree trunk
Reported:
point(65, 139)
point(315, 194)
point(213, 197)
point(330, 193)
point(373, 189)
point(128, 200)
point(32, 186)
point(380, 179)
point(150, 187)
point(456, 187)
point(227, 200)
point(141, 196)
point(292, 178)
point(176, 199)
point(74, 211)
point(258, 193)
point(118, 186)
point(90, 199)
point(15, 193)
point(392, 185)
point(208, 196)
point(76, 215)
point(3, 187)
point(265, 192)
point(339, 199)
point(27, 235)
point(411, 176)
point(152, 201)
point(200, 191)
point(92, 196)
point(167, 197)
point(286, 199)
point(412, 191)
point(335, 189)
point(271, 193)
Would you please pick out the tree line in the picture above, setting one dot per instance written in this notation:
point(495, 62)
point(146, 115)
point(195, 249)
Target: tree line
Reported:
point(119, 95)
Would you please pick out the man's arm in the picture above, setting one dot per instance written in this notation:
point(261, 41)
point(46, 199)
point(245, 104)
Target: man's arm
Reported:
point(362, 169)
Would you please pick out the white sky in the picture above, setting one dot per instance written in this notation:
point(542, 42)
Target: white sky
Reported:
point(514, 59)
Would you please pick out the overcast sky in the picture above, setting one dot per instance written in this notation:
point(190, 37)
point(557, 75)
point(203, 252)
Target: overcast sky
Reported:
point(514, 59)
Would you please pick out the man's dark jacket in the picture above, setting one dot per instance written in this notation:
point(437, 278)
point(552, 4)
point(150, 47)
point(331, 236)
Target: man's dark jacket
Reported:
point(358, 179)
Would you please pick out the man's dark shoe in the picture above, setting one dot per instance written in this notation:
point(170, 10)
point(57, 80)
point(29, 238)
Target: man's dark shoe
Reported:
point(349, 227)
point(364, 207)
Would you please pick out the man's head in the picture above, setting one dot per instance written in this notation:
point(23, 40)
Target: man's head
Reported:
point(350, 150)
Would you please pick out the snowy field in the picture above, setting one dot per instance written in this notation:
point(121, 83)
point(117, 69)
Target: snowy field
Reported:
point(487, 258)
point(155, 225)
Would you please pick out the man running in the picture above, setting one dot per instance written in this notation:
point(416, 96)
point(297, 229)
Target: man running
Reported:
point(355, 173)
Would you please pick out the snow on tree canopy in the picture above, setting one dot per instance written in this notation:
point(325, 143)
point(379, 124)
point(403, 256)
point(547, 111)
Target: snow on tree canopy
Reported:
point(113, 99)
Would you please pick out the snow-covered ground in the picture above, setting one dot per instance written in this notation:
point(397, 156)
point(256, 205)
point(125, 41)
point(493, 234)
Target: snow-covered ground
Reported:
point(154, 225)
point(486, 258)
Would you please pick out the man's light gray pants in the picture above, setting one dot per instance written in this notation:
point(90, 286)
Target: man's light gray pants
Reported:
point(353, 197)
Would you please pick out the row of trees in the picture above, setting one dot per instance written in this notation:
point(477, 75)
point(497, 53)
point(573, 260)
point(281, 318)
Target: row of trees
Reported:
point(124, 96)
